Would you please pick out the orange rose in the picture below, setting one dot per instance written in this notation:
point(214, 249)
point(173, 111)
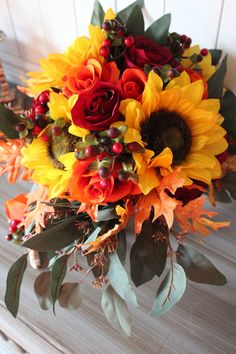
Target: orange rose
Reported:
point(86, 186)
point(82, 77)
point(132, 83)
point(194, 76)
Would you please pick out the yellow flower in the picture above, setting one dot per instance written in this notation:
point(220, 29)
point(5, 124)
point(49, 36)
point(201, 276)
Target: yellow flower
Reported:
point(207, 68)
point(49, 170)
point(177, 129)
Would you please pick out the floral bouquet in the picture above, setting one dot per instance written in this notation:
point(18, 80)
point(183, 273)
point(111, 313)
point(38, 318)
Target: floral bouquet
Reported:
point(127, 125)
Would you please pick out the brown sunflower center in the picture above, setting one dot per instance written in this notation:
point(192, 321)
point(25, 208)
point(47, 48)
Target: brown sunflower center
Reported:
point(167, 129)
point(61, 145)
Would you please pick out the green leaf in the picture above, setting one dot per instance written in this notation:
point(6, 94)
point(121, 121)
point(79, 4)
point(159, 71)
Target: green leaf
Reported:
point(197, 267)
point(98, 14)
point(70, 296)
point(116, 311)
point(14, 280)
point(158, 31)
point(106, 214)
point(120, 281)
point(215, 56)
point(135, 23)
point(8, 121)
point(42, 289)
point(216, 81)
point(55, 237)
point(122, 246)
point(170, 291)
point(228, 111)
point(139, 272)
point(124, 14)
point(58, 275)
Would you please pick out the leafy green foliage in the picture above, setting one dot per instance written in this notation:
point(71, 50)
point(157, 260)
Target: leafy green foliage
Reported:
point(14, 280)
point(147, 256)
point(216, 81)
point(98, 14)
point(8, 121)
point(228, 111)
point(122, 245)
point(116, 311)
point(106, 214)
point(170, 291)
point(158, 31)
point(92, 237)
point(197, 267)
point(70, 296)
point(42, 289)
point(119, 280)
point(124, 14)
point(58, 275)
point(215, 56)
point(135, 23)
point(55, 237)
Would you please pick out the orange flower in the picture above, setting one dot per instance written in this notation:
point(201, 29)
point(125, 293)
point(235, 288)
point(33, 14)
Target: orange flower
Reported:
point(82, 77)
point(132, 83)
point(86, 186)
point(195, 76)
point(15, 208)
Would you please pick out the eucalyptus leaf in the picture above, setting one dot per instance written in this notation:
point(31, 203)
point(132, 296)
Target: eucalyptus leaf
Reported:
point(14, 280)
point(170, 291)
point(122, 246)
point(106, 214)
point(70, 296)
point(158, 31)
point(8, 121)
point(198, 268)
point(54, 237)
point(92, 237)
point(116, 311)
point(140, 273)
point(216, 81)
point(58, 275)
point(119, 280)
point(124, 14)
point(42, 289)
point(98, 14)
point(135, 23)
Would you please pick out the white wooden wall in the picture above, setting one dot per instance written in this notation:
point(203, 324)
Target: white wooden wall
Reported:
point(35, 28)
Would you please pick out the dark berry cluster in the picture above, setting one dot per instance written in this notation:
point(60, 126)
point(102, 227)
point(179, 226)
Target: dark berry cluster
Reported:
point(178, 43)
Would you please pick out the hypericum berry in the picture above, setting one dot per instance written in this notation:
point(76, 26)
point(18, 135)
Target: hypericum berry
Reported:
point(134, 146)
point(56, 130)
point(104, 172)
point(204, 52)
point(120, 32)
point(105, 183)
point(117, 148)
point(106, 26)
point(36, 130)
point(20, 127)
point(45, 138)
point(104, 51)
point(129, 41)
point(77, 154)
point(183, 38)
point(199, 58)
point(123, 176)
point(44, 97)
point(188, 43)
point(15, 223)
point(91, 150)
point(40, 109)
point(9, 237)
point(105, 140)
point(113, 133)
point(107, 42)
point(170, 73)
point(41, 121)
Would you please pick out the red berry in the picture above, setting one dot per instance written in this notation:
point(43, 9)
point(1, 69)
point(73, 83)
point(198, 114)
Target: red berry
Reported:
point(123, 176)
point(36, 130)
point(45, 138)
point(117, 148)
point(106, 26)
point(31, 116)
point(104, 172)
point(104, 51)
point(134, 146)
point(129, 41)
point(199, 58)
point(105, 183)
point(56, 130)
point(170, 73)
point(15, 222)
point(120, 32)
point(40, 109)
point(20, 127)
point(9, 237)
point(204, 52)
point(183, 38)
point(91, 151)
point(106, 43)
point(44, 97)
point(12, 229)
point(113, 133)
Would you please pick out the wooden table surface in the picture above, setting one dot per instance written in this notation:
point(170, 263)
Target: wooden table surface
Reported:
point(203, 322)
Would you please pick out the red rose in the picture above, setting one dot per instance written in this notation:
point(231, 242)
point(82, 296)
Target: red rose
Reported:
point(132, 83)
point(97, 108)
point(145, 51)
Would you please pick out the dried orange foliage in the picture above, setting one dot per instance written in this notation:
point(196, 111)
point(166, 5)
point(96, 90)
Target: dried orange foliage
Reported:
point(193, 218)
point(161, 203)
point(90, 209)
point(10, 160)
point(15, 207)
point(37, 214)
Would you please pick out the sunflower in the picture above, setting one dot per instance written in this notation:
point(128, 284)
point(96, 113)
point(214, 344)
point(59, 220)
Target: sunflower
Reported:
point(177, 129)
point(51, 163)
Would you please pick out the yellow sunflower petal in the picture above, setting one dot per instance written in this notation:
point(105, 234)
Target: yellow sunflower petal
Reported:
point(77, 131)
point(193, 91)
point(179, 81)
point(150, 96)
point(148, 180)
point(164, 159)
point(212, 105)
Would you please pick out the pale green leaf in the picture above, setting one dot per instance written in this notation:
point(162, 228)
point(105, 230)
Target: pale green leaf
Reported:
point(42, 289)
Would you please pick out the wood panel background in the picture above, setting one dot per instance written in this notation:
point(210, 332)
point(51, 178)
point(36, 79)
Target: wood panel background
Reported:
point(35, 28)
